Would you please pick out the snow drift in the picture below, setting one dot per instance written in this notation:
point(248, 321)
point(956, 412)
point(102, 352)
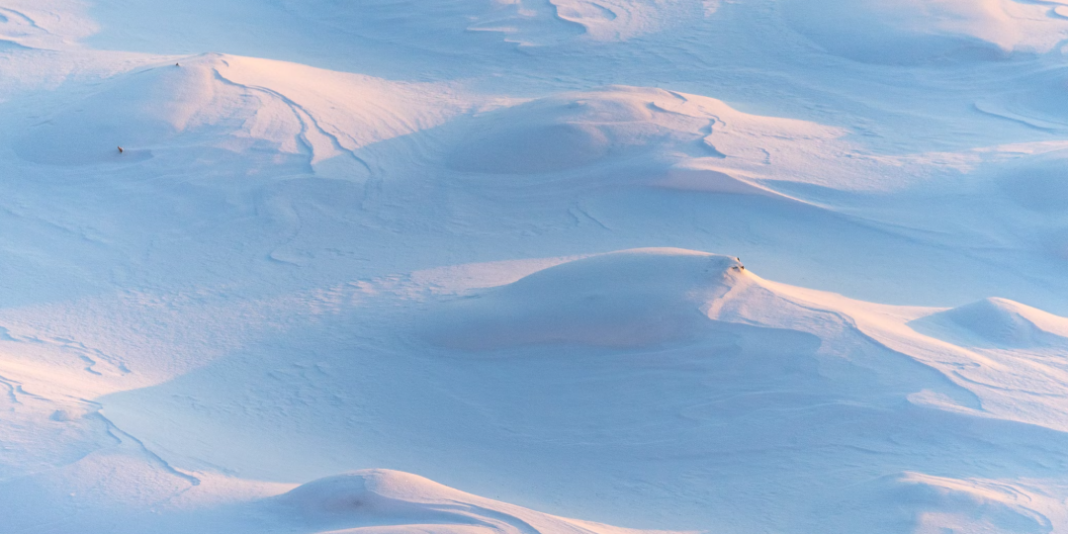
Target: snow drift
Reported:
point(1006, 323)
point(625, 299)
point(383, 501)
point(213, 108)
point(634, 135)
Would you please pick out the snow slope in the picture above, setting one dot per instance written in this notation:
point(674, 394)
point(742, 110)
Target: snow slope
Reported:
point(670, 266)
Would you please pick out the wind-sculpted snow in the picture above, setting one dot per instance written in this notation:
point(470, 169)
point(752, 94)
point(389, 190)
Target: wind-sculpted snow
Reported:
point(618, 300)
point(624, 300)
point(1006, 323)
point(926, 31)
point(676, 266)
point(216, 108)
point(382, 501)
point(129, 113)
point(620, 20)
point(577, 130)
point(677, 141)
point(925, 503)
point(53, 24)
point(527, 23)
point(619, 357)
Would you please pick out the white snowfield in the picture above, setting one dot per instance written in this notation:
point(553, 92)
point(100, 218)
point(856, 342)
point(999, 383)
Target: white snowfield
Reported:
point(602, 267)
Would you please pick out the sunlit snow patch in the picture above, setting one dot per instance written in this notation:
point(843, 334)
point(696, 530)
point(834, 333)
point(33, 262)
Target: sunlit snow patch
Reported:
point(919, 31)
point(1001, 323)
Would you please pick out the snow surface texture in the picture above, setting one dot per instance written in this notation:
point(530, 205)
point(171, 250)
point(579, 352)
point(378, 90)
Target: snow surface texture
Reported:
point(347, 245)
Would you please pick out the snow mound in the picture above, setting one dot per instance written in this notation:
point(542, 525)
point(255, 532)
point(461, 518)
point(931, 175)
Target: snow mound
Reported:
point(631, 127)
point(227, 106)
point(381, 500)
point(1007, 323)
point(918, 31)
point(155, 108)
point(572, 130)
point(631, 298)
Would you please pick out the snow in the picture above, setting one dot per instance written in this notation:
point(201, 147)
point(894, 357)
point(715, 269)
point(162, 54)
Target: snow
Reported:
point(533, 266)
point(386, 501)
point(625, 299)
point(1004, 322)
point(918, 31)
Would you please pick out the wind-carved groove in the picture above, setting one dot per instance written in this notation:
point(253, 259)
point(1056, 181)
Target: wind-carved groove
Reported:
point(18, 14)
point(88, 355)
point(17, 389)
point(123, 436)
point(89, 365)
point(93, 356)
point(305, 118)
point(10, 385)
